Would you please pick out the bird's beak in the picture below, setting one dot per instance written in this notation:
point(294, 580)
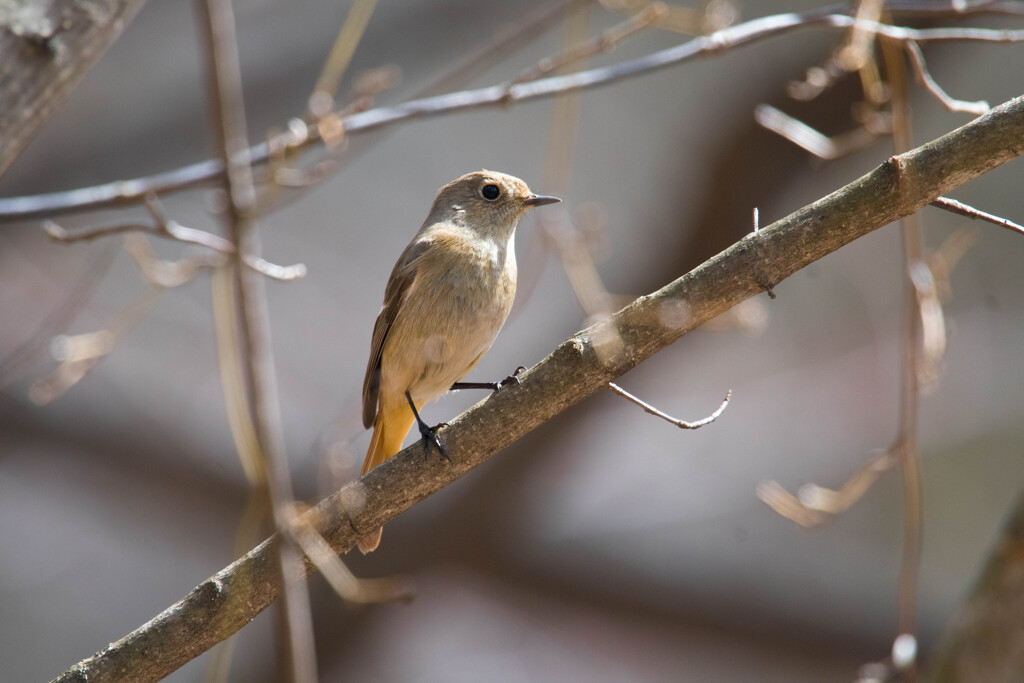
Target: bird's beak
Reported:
point(540, 200)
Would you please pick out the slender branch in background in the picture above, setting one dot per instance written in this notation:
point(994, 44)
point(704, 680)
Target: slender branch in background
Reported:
point(958, 7)
point(322, 100)
point(858, 49)
point(557, 228)
point(814, 505)
point(925, 78)
point(962, 209)
point(274, 271)
point(811, 140)
point(217, 29)
point(123, 193)
point(601, 44)
point(682, 424)
point(575, 370)
point(340, 577)
point(923, 341)
point(78, 354)
point(160, 227)
point(224, 299)
point(917, 341)
point(167, 274)
point(59, 318)
point(169, 229)
point(505, 43)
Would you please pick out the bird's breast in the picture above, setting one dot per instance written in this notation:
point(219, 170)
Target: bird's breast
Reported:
point(455, 308)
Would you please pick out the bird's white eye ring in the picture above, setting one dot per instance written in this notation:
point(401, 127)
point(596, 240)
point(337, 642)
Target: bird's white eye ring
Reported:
point(490, 192)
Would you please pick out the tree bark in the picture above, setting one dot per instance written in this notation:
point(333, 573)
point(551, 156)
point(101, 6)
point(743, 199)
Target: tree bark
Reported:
point(46, 46)
point(579, 367)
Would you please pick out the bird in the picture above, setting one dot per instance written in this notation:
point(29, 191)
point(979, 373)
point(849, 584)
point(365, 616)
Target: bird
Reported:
point(444, 304)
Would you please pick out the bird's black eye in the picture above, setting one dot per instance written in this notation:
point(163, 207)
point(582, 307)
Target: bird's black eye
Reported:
point(490, 192)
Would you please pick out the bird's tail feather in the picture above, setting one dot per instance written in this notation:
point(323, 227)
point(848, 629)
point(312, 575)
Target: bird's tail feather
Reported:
point(389, 430)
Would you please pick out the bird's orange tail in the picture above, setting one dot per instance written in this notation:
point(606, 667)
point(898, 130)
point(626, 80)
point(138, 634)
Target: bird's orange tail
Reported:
point(389, 432)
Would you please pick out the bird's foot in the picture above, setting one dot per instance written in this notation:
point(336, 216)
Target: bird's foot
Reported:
point(511, 379)
point(428, 433)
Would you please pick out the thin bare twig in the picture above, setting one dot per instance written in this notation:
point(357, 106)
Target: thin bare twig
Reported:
point(962, 209)
point(129, 192)
point(925, 78)
point(682, 424)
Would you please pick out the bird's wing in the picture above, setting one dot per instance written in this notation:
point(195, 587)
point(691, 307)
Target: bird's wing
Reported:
point(398, 286)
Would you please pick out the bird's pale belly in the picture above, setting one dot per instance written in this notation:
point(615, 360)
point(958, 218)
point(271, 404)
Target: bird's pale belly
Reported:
point(464, 324)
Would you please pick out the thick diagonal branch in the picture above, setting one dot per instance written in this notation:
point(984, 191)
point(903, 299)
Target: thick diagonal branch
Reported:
point(579, 367)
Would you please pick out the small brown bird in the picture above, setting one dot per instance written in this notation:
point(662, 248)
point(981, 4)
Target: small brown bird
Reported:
point(446, 300)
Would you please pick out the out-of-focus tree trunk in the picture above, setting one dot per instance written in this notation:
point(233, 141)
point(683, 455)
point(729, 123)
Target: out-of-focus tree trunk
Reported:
point(984, 641)
point(46, 46)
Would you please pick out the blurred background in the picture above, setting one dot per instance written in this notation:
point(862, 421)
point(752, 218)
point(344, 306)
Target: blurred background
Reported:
point(605, 546)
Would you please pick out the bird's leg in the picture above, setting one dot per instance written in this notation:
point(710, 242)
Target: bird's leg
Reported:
point(428, 433)
point(493, 386)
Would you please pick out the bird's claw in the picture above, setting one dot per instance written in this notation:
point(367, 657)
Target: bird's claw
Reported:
point(514, 377)
point(429, 435)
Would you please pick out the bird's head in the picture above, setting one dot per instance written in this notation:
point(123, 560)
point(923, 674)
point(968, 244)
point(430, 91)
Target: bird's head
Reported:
point(489, 202)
